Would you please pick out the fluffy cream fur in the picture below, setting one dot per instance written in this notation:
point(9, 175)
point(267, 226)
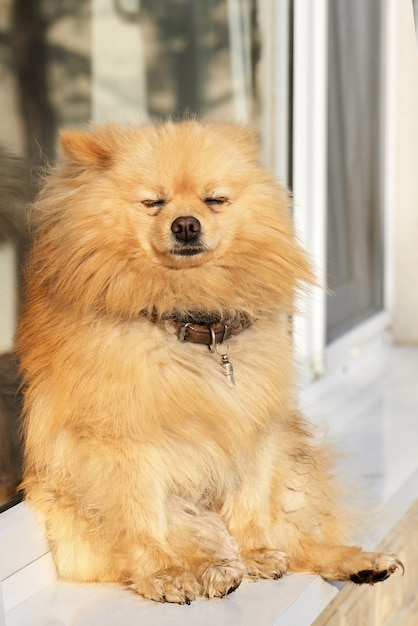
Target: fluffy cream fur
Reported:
point(147, 465)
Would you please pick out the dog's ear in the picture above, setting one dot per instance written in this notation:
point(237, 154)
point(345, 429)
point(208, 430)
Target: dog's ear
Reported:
point(86, 148)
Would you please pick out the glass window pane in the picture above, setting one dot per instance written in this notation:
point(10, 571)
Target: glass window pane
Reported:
point(10, 448)
point(174, 58)
point(355, 267)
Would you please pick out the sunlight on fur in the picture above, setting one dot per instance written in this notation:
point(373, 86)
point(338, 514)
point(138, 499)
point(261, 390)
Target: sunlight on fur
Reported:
point(164, 448)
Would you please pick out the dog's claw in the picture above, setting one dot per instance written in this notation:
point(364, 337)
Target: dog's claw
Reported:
point(232, 589)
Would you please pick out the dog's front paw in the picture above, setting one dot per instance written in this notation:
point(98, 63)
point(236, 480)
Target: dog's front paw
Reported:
point(173, 584)
point(382, 566)
point(265, 563)
point(220, 578)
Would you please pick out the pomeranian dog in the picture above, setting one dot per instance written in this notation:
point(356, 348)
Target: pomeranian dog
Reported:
point(164, 448)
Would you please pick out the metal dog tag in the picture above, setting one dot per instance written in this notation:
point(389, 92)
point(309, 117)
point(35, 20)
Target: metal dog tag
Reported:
point(228, 369)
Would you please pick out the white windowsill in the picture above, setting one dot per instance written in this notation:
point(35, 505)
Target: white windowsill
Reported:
point(369, 408)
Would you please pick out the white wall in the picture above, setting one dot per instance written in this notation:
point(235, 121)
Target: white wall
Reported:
point(405, 319)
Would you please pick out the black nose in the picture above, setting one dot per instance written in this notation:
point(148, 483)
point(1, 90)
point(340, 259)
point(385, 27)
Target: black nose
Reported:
point(186, 228)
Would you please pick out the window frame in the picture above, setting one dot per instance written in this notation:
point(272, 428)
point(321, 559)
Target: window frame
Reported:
point(309, 184)
point(309, 172)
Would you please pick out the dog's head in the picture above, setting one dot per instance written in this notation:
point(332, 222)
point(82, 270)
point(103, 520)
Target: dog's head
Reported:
point(184, 186)
point(177, 215)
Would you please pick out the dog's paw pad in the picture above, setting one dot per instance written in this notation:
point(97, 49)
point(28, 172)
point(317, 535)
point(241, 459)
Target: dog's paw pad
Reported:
point(265, 563)
point(369, 576)
point(384, 566)
point(170, 585)
point(221, 579)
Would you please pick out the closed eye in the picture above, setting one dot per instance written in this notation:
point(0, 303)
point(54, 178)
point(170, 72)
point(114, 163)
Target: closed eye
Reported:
point(153, 203)
point(215, 201)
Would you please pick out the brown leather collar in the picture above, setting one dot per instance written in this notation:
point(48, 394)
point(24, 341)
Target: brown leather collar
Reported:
point(209, 335)
point(197, 329)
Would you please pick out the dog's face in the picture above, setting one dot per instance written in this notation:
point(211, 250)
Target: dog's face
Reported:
point(182, 186)
point(188, 221)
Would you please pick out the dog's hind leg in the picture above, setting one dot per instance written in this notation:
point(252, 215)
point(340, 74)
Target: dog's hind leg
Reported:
point(335, 562)
point(286, 516)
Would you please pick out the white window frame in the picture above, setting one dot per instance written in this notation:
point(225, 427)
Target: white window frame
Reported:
point(25, 563)
point(310, 178)
point(309, 168)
